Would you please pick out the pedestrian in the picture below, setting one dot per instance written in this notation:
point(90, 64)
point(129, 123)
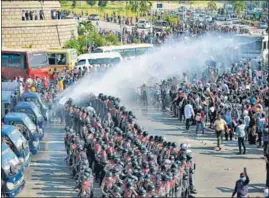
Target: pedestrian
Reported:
point(31, 15)
point(26, 15)
point(200, 118)
point(240, 132)
point(260, 128)
point(41, 15)
point(241, 185)
point(35, 15)
point(220, 127)
point(23, 15)
point(188, 113)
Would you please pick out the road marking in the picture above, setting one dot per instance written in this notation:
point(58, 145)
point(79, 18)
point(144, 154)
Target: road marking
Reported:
point(51, 142)
point(47, 164)
point(53, 151)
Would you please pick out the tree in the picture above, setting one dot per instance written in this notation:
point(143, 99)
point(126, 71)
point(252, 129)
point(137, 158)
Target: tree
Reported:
point(74, 3)
point(239, 6)
point(91, 2)
point(212, 5)
point(134, 6)
point(88, 33)
point(145, 6)
point(102, 3)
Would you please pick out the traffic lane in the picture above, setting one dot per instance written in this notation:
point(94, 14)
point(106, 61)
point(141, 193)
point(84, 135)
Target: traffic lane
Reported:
point(216, 172)
point(48, 174)
point(116, 27)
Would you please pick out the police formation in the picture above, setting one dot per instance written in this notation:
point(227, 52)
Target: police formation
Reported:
point(105, 146)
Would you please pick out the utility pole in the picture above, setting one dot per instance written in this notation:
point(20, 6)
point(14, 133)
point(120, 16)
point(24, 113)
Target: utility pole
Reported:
point(151, 26)
point(121, 32)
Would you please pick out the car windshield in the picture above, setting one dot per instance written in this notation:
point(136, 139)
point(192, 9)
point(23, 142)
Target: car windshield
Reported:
point(39, 59)
point(38, 114)
point(30, 125)
point(8, 159)
point(249, 44)
point(17, 138)
point(34, 100)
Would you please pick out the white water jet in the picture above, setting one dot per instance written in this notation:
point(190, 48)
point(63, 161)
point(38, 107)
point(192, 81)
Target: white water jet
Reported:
point(170, 60)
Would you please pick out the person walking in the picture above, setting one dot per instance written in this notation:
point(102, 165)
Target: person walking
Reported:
point(220, 126)
point(188, 113)
point(260, 128)
point(200, 117)
point(240, 132)
point(241, 185)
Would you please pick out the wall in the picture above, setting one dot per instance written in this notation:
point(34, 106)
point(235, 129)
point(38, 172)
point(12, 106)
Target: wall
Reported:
point(12, 10)
point(40, 33)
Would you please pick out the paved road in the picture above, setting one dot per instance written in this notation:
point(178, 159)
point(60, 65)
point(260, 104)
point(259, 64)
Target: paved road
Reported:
point(215, 175)
point(113, 26)
point(216, 171)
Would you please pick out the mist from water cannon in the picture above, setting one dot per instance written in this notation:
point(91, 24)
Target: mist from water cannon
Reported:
point(169, 60)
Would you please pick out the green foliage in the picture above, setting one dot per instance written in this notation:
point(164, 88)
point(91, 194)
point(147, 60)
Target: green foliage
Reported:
point(91, 2)
point(239, 6)
point(74, 4)
point(88, 34)
point(212, 5)
point(28, 46)
point(102, 3)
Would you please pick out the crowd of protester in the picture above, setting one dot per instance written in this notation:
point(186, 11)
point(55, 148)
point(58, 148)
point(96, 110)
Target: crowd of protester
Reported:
point(239, 97)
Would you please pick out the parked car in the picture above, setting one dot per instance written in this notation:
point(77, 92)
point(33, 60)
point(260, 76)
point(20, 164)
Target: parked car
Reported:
point(93, 17)
point(143, 24)
point(220, 18)
point(161, 25)
point(263, 25)
point(201, 18)
point(209, 19)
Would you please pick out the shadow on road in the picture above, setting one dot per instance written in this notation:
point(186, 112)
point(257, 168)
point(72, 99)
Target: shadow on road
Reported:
point(52, 177)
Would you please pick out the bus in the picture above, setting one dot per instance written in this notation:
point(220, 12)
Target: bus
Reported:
point(24, 63)
point(88, 60)
point(126, 51)
point(61, 58)
point(252, 46)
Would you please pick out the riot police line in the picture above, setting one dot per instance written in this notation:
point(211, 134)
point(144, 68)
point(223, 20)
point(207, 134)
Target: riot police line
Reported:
point(104, 145)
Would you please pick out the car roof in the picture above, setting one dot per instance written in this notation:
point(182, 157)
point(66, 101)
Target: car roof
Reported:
point(10, 86)
point(25, 104)
point(7, 129)
point(15, 116)
point(6, 96)
point(4, 147)
point(30, 94)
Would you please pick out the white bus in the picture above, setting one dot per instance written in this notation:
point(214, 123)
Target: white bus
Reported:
point(126, 51)
point(252, 46)
point(90, 60)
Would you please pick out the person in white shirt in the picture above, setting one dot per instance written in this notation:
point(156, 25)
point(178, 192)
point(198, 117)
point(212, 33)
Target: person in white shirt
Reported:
point(188, 113)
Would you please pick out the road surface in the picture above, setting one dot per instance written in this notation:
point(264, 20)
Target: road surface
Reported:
point(215, 175)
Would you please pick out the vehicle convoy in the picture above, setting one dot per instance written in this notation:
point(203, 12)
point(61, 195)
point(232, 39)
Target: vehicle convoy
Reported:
point(24, 63)
point(26, 126)
point(252, 46)
point(36, 99)
point(61, 58)
point(142, 23)
point(89, 60)
point(34, 114)
point(126, 51)
point(12, 177)
point(8, 102)
point(18, 144)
